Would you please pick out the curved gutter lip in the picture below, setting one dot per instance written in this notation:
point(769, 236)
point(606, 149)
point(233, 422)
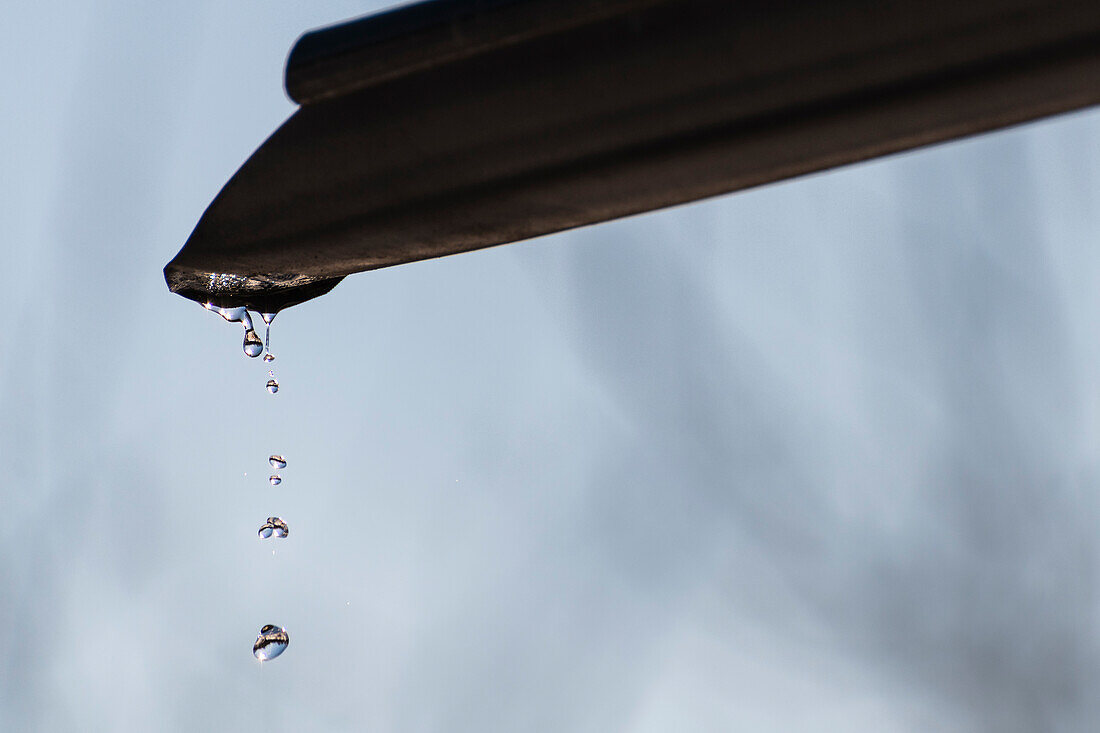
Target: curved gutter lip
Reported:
point(347, 57)
point(674, 101)
point(262, 294)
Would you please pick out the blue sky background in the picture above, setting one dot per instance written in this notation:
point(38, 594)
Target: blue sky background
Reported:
point(820, 456)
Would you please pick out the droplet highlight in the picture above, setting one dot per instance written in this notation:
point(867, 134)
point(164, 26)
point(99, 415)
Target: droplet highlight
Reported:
point(270, 643)
point(277, 461)
point(275, 479)
point(273, 527)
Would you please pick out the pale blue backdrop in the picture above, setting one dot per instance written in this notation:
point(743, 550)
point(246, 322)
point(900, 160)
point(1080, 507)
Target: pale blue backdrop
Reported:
point(822, 456)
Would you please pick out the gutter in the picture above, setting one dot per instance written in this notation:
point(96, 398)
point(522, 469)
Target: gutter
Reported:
point(454, 125)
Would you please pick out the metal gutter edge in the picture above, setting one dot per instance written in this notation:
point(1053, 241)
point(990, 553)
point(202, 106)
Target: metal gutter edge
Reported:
point(409, 148)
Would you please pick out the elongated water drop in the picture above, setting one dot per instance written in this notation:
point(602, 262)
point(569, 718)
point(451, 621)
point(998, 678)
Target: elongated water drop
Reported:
point(252, 344)
point(277, 461)
point(268, 318)
point(273, 526)
point(233, 315)
point(275, 479)
point(271, 642)
point(272, 385)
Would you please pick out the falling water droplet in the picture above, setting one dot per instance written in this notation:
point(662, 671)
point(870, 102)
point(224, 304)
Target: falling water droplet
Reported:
point(271, 642)
point(272, 385)
point(269, 357)
point(273, 526)
point(275, 479)
point(252, 344)
point(277, 461)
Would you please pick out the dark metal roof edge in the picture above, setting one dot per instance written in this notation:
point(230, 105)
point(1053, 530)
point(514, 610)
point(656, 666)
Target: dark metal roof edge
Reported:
point(671, 102)
point(340, 59)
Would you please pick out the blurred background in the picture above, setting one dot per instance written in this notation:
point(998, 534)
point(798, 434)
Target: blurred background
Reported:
point(820, 456)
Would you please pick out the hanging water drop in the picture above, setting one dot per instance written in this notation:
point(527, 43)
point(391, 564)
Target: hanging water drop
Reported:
point(233, 315)
point(252, 344)
point(271, 642)
point(268, 318)
point(277, 461)
point(275, 479)
point(272, 385)
point(274, 526)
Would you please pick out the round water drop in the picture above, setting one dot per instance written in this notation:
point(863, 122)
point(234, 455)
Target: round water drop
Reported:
point(275, 479)
point(269, 357)
point(271, 642)
point(277, 461)
point(272, 385)
point(252, 344)
point(274, 526)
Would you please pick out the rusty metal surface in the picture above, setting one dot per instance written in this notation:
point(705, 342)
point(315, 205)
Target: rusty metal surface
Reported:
point(642, 105)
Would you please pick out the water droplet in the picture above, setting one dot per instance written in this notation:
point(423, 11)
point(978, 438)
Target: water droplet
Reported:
point(269, 357)
point(273, 526)
point(233, 315)
point(252, 344)
point(271, 642)
point(268, 318)
point(277, 461)
point(272, 386)
point(275, 479)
